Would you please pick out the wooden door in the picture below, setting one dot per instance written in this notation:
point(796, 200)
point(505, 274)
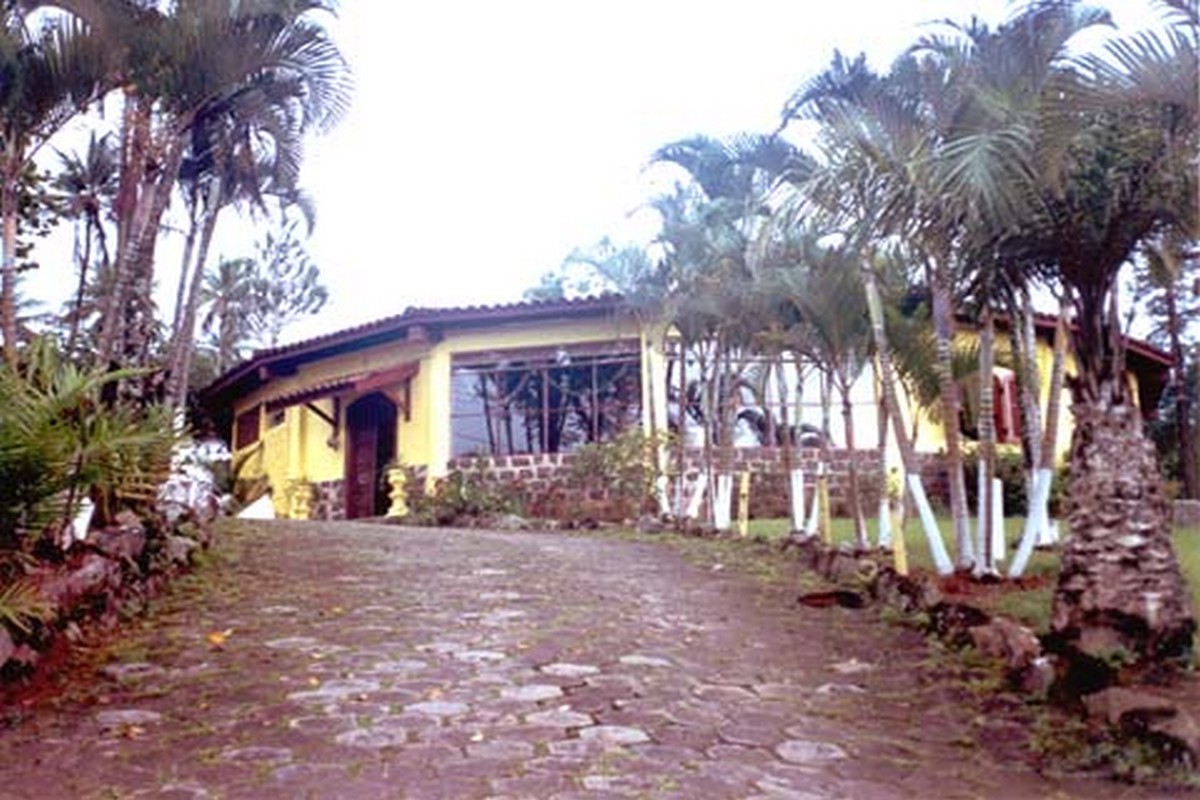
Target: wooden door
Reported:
point(370, 447)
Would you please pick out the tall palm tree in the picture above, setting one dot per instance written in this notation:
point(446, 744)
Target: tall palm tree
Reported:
point(229, 301)
point(860, 192)
point(182, 67)
point(717, 240)
point(47, 75)
point(828, 295)
point(89, 181)
point(1119, 136)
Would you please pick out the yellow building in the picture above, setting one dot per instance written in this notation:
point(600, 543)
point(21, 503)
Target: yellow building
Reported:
point(324, 419)
point(327, 421)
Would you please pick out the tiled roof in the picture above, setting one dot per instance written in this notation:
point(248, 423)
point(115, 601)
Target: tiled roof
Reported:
point(390, 328)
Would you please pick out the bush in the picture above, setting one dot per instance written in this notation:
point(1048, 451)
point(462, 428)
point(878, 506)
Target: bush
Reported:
point(458, 496)
point(1010, 469)
point(59, 443)
point(624, 467)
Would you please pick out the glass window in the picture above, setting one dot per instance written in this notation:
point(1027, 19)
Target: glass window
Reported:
point(540, 402)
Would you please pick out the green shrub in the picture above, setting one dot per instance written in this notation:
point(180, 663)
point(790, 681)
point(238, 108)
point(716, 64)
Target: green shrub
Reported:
point(1010, 469)
point(458, 496)
point(624, 467)
point(60, 443)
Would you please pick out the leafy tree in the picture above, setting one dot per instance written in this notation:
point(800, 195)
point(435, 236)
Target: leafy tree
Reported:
point(286, 285)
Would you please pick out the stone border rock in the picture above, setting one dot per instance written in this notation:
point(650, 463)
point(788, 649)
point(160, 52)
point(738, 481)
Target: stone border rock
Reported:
point(1141, 713)
point(111, 573)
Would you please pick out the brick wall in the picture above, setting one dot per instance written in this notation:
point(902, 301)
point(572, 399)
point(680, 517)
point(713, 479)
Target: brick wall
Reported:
point(328, 500)
point(545, 481)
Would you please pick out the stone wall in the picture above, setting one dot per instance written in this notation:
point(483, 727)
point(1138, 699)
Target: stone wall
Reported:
point(545, 483)
point(328, 500)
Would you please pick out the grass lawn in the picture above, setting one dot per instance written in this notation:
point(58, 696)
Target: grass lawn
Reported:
point(1030, 600)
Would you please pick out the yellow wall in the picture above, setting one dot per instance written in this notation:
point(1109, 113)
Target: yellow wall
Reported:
point(931, 436)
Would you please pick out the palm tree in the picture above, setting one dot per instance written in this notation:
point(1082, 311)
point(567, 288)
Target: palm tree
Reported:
point(828, 295)
point(88, 180)
point(229, 298)
point(867, 138)
point(710, 232)
point(183, 69)
point(46, 77)
point(1120, 135)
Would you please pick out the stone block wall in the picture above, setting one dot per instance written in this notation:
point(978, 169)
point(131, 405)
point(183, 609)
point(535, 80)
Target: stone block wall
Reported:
point(544, 481)
point(328, 500)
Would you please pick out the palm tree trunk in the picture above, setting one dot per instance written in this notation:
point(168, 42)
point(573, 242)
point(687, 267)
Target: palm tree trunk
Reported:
point(142, 199)
point(987, 443)
point(908, 456)
point(681, 444)
point(8, 278)
point(943, 325)
point(1183, 398)
point(855, 500)
point(785, 442)
point(185, 340)
point(1120, 592)
point(1031, 434)
point(85, 261)
point(185, 263)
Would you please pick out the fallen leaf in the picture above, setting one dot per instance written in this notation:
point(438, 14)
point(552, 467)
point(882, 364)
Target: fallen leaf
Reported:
point(132, 731)
point(217, 638)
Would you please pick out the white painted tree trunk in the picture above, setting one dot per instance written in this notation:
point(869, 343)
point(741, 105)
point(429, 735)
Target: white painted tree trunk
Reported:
point(662, 493)
point(723, 502)
point(814, 512)
point(1037, 523)
point(797, 497)
point(692, 509)
point(937, 548)
point(999, 546)
point(885, 524)
point(81, 523)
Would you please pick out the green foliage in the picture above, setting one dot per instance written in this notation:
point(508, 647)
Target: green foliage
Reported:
point(460, 496)
point(22, 605)
point(1010, 468)
point(58, 442)
point(624, 466)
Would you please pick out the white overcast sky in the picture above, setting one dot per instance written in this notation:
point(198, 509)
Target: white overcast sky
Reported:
point(488, 139)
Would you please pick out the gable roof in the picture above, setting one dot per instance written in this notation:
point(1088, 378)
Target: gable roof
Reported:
point(413, 324)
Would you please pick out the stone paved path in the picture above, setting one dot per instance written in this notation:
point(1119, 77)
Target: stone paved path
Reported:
point(357, 661)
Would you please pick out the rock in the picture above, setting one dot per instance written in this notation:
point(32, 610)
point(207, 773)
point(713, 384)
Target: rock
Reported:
point(648, 523)
point(1008, 641)
point(614, 734)
point(179, 549)
point(1038, 677)
point(122, 543)
point(803, 751)
point(95, 575)
point(1140, 713)
point(506, 522)
point(843, 567)
point(954, 621)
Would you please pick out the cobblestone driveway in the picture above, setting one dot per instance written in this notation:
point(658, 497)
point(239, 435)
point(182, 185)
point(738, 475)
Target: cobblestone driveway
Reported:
point(357, 661)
